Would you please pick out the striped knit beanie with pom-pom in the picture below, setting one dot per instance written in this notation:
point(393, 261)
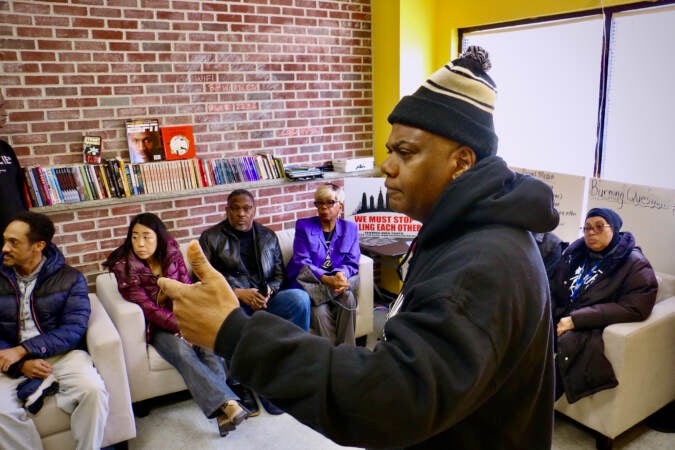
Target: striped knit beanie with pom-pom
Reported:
point(456, 102)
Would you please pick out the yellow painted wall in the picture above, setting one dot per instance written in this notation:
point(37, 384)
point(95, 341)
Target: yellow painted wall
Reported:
point(385, 41)
point(427, 33)
point(417, 43)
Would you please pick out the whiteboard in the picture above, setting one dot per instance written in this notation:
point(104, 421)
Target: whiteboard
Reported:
point(568, 197)
point(647, 212)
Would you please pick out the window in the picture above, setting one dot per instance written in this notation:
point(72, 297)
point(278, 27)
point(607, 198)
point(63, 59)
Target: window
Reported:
point(547, 92)
point(638, 141)
point(553, 112)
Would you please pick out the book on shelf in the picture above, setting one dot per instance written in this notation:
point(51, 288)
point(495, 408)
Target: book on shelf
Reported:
point(87, 187)
point(124, 180)
point(27, 196)
point(31, 187)
point(139, 179)
point(144, 140)
point(100, 183)
point(178, 142)
point(110, 177)
point(77, 181)
point(91, 149)
point(42, 185)
point(53, 186)
point(103, 179)
point(113, 178)
point(144, 170)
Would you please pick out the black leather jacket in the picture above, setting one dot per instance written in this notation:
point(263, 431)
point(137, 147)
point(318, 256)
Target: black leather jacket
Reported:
point(221, 248)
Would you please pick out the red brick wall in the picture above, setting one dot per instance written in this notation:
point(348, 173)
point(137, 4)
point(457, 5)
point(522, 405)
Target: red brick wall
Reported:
point(291, 77)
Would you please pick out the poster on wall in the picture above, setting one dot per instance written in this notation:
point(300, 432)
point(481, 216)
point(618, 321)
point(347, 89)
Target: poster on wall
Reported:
point(568, 199)
point(647, 212)
point(366, 203)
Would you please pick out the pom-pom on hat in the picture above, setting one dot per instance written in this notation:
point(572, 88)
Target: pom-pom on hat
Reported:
point(456, 102)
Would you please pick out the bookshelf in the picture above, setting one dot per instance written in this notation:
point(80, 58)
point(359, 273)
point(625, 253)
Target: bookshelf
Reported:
point(228, 187)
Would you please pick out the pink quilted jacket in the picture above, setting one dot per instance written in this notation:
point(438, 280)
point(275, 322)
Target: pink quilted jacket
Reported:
point(137, 284)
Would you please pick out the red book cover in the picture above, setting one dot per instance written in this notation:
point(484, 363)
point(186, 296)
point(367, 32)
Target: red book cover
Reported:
point(179, 142)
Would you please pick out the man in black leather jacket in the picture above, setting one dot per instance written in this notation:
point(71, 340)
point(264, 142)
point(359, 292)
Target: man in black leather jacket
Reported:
point(248, 255)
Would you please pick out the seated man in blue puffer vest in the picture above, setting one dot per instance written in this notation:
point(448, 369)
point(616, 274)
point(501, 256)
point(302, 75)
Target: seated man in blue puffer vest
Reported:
point(44, 312)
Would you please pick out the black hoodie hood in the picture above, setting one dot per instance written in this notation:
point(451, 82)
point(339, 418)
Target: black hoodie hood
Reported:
point(490, 193)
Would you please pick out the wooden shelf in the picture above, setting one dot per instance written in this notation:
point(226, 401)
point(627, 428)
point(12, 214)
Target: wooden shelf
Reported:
point(94, 204)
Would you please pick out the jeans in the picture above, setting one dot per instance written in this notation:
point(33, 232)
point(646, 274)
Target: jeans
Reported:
point(291, 304)
point(202, 370)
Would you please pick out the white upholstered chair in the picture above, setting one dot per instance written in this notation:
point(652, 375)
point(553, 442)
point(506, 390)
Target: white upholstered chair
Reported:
point(643, 357)
point(105, 347)
point(364, 294)
point(149, 374)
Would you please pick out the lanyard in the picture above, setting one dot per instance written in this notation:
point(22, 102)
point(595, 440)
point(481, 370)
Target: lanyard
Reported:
point(583, 278)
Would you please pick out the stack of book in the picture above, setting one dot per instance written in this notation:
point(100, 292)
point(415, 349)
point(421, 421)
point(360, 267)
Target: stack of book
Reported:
point(115, 178)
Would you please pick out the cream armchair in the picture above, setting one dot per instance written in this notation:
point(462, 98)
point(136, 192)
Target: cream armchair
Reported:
point(643, 357)
point(364, 294)
point(149, 374)
point(105, 347)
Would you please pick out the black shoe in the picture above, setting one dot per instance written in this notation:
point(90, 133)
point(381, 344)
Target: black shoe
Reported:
point(269, 406)
point(246, 398)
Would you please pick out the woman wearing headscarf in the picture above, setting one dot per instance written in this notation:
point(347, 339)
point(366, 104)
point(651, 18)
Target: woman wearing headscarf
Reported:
point(603, 278)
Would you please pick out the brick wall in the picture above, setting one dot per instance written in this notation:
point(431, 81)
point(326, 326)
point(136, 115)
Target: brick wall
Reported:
point(291, 77)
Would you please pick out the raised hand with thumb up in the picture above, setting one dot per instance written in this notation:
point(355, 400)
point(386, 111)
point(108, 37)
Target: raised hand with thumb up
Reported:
point(202, 307)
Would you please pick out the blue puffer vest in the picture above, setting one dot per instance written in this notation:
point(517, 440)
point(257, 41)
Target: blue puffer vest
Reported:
point(59, 306)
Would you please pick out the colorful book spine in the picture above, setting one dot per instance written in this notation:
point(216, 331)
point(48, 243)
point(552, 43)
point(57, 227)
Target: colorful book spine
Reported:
point(89, 193)
point(33, 191)
point(79, 182)
point(123, 175)
point(42, 184)
point(54, 188)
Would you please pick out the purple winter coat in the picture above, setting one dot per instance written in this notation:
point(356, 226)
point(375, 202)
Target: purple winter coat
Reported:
point(137, 284)
point(309, 249)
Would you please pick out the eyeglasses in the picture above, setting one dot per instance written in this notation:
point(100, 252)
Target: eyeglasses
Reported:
point(326, 204)
point(597, 228)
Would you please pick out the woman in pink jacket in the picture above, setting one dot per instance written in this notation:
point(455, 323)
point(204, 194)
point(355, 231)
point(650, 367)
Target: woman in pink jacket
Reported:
point(149, 252)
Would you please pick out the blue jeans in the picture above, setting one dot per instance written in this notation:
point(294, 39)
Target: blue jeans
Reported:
point(291, 304)
point(202, 370)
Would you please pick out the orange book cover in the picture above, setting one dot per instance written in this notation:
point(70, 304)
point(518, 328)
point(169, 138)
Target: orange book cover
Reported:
point(179, 142)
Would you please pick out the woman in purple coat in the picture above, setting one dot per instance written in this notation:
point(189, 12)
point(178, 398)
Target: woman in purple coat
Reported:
point(147, 254)
point(325, 263)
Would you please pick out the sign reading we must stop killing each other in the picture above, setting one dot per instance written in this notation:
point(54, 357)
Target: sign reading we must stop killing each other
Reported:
point(367, 205)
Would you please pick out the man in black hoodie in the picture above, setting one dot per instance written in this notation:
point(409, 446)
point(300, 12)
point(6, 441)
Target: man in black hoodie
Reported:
point(12, 198)
point(466, 361)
